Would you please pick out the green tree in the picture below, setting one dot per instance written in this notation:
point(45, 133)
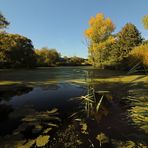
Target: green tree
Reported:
point(16, 51)
point(75, 61)
point(47, 57)
point(3, 22)
point(126, 39)
point(72, 61)
point(145, 21)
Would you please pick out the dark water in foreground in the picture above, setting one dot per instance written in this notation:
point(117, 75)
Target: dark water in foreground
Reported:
point(40, 89)
point(39, 99)
point(53, 95)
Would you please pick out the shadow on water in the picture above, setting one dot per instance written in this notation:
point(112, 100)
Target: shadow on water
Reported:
point(113, 126)
point(123, 124)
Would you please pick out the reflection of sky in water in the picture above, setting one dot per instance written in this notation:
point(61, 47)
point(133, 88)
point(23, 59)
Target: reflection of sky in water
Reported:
point(46, 97)
point(41, 99)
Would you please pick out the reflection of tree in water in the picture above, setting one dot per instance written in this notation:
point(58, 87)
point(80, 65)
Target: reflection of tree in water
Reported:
point(51, 87)
point(4, 111)
point(8, 91)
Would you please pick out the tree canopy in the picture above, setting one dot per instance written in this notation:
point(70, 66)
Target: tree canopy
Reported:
point(139, 56)
point(3, 22)
point(145, 21)
point(16, 51)
point(99, 37)
point(126, 39)
point(47, 57)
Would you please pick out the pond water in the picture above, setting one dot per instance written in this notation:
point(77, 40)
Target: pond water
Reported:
point(28, 100)
point(42, 89)
point(45, 87)
point(42, 98)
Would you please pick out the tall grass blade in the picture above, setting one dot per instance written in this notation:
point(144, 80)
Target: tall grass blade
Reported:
point(99, 103)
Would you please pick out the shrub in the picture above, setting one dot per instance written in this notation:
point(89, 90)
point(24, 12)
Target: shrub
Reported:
point(139, 56)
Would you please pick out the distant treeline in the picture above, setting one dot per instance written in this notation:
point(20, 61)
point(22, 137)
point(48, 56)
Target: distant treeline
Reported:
point(50, 57)
point(123, 51)
point(17, 51)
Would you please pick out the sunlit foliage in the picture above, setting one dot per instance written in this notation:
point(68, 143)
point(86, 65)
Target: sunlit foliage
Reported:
point(139, 55)
point(99, 53)
point(99, 36)
point(73, 61)
point(100, 28)
point(47, 57)
point(16, 51)
point(145, 21)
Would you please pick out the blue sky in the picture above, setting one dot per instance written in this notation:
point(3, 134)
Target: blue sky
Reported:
point(60, 23)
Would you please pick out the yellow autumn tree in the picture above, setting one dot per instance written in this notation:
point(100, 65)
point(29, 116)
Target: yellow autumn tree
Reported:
point(139, 55)
point(99, 38)
point(145, 21)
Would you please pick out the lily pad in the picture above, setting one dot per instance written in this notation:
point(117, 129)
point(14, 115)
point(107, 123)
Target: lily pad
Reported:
point(42, 140)
point(102, 138)
point(83, 128)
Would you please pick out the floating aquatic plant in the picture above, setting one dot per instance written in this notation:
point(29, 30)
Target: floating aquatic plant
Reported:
point(84, 128)
point(42, 140)
point(39, 124)
point(102, 138)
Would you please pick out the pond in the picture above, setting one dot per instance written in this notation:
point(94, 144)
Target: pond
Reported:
point(42, 89)
point(34, 101)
